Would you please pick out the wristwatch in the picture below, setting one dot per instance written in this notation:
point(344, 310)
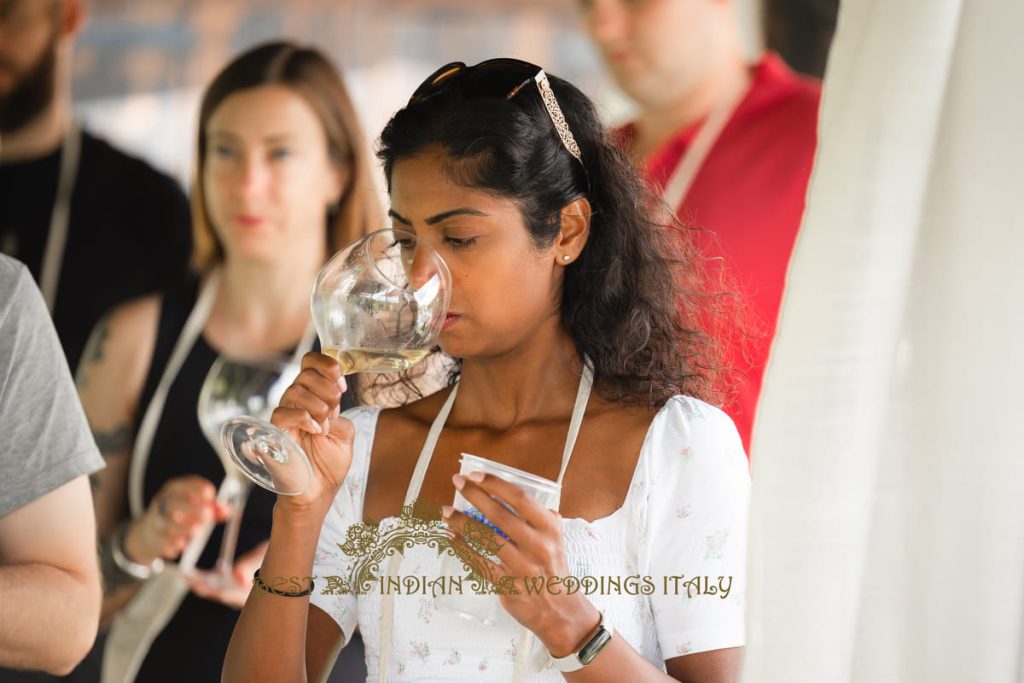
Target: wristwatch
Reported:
point(585, 655)
point(128, 566)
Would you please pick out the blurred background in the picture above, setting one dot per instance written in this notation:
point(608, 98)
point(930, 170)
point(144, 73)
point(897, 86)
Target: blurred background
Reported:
point(140, 66)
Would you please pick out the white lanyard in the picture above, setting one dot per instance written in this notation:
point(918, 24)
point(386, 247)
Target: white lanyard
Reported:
point(416, 482)
point(57, 236)
point(686, 170)
point(139, 624)
point(151, 418)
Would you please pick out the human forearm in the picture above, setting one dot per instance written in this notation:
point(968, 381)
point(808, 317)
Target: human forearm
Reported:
point(616, 662)
point(564, 622)
point(118, 589)
point(269, 640)
point(48, 617)
point(619, 661)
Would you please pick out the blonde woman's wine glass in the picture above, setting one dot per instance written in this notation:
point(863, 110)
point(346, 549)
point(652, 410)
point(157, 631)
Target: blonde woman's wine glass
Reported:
point(235, 387)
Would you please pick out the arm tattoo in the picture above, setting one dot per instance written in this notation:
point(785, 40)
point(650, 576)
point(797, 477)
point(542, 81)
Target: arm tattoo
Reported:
point(94, 348)
point(114, 441)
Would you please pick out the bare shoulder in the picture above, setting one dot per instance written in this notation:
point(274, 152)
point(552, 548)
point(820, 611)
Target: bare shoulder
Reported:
point(618, 430)
point(622, 418)
point(612, 436)
point(123, 333)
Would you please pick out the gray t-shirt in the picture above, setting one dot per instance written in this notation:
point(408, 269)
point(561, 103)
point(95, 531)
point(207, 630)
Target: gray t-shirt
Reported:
point(45, 440)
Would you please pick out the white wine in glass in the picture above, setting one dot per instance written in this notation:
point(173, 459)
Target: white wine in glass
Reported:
point(375, 360)
point(378, 306)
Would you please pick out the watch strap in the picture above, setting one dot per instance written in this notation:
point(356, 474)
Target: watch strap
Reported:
point(587, 652)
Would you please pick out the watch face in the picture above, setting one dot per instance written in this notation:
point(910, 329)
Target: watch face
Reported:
point(596, 644)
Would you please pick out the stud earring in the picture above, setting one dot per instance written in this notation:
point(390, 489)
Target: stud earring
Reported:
point(566, 257)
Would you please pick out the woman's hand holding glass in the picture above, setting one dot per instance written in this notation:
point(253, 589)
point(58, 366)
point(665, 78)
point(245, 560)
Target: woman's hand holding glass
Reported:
point(378, 305)
point(309, 413)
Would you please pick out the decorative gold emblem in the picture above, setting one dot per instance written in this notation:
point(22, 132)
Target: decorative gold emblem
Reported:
point(419, 524)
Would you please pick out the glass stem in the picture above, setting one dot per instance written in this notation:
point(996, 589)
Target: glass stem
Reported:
point(237, 494)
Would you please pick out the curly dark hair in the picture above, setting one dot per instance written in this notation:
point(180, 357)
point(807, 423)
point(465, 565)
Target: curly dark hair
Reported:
point(638, 300)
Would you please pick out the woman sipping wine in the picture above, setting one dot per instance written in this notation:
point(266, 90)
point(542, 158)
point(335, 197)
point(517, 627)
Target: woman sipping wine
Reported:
point(581, 359)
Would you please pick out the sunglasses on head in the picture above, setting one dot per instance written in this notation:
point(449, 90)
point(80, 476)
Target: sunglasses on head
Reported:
point(500, 78)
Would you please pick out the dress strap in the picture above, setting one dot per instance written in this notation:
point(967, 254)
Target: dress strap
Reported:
point(525, 643)
point(427, 452)
point(393, 562)
point(578, 411)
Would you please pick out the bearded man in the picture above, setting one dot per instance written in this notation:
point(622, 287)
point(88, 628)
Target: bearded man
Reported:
point(94, 226)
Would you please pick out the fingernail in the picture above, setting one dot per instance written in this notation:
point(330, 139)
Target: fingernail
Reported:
point(446, 511)
point(326, 429)
point(336, 412)
point(475, 476)
point(316, 428)
point(342, 384)
point(459, 481)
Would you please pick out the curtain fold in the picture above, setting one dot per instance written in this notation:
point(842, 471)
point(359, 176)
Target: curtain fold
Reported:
point(887, 512)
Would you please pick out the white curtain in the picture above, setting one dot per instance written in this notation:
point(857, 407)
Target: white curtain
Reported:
point(887, 519)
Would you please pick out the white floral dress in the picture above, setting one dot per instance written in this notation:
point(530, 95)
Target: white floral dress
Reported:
point(667, 568)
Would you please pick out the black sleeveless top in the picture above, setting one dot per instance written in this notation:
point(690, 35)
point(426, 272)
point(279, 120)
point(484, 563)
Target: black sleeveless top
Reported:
point(191, 646)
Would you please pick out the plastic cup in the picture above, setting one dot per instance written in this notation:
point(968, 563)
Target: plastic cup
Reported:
point(485, 609)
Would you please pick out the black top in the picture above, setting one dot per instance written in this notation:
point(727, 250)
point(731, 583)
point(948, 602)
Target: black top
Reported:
point(192, 645)
point(129, 232)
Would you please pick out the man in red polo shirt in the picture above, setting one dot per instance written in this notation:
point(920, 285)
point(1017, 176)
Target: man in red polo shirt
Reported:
point(729, 145)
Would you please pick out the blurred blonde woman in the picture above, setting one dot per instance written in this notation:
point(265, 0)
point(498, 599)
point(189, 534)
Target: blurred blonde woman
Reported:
point(282, 182)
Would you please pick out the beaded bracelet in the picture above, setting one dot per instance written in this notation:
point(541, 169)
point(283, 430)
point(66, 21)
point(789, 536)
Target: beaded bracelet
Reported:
point(258, 581)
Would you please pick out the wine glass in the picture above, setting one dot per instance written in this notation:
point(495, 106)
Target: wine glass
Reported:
point(233, 387)
point(378, 305)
